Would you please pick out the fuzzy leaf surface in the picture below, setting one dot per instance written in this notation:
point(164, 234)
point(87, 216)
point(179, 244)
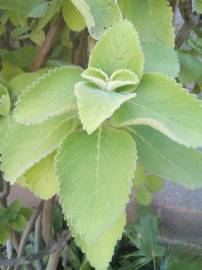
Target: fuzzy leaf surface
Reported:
point(96, 105)
point(100, 252)
point(50, 95)
point(164, 105)
point(95, 192)
point(113, 52)
point(161, 156)
point(151, 18)
point(26, 145)
point(160, 58)
point(41, 179)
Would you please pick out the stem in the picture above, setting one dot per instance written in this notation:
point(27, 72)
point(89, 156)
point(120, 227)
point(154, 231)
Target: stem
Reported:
point(27, 231)
point(54, 32)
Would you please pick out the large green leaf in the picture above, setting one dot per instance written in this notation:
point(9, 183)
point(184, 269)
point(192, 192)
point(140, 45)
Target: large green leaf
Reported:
point(73, 17)
point(166, 106)
point(151, 18)
point(114, 52)
point(50, 95)
point(161, 156)
point(96, 105)
point(105, 14)
point(94, 174)
point(100, 252)
point(41, 179)
point(160, 58)
point(26, 145)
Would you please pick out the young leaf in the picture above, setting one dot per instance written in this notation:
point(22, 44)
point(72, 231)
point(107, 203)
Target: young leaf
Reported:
point(152, 19)
point(160, 58)
point(114, 52)
point(161, 156)
point(96, 76)
point(96, 105)
point(154, 183)
point(95, 193)
point(41, 179)
point(122, 77)
point(143, 196)
point(19, 153)
point(163, 104)
point(100, 252)
point(50, 95)
point(5, 123)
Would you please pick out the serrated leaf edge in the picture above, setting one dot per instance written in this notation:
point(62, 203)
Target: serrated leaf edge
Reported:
point(35, 83)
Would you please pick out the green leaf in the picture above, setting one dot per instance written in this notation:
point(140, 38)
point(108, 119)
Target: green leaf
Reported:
point(160, 58)
point(72, 16)
point(143, 196)
point(190, 67)
point(96, 105)
point(105, 14)
point(4, 126)
point(4, 101)
point(163, 157)
point(113, 52)
point(139, 178)
point(100, 252)
point(26, 145)
point(5, 231)
point(96, 76)
point(151, 18)
point(164, 105)
point(95, 193)
point(52, 10)
point(122, 78)
point(22, 57)
point(50, 95)
point(198, 6)
point(41, 179)
point(22, 7)
point(154, 183)
point(18, 224)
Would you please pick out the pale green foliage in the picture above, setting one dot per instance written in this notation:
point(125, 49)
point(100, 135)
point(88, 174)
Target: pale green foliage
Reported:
point(111, 53)
point(4, 101)
point(160, 58)
point(105, 14)
point(93, 101)
point(4, 126)
point(41, 179)
point(72, 16)
point(50, 95)
point(99, 15)
point(118, 79)
point(161, 156)
point(99, 252)
point(151, 18)
point(145, 185)
point(44, 137)
point(163, 104)
point(91, 200)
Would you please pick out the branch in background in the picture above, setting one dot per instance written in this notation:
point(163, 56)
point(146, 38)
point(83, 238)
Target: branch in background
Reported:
point(37, 238)
point(27, 231)
point(55, 30)
point(56, 247)
point(185, 7)
point(4, 191)
point(47, 221)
